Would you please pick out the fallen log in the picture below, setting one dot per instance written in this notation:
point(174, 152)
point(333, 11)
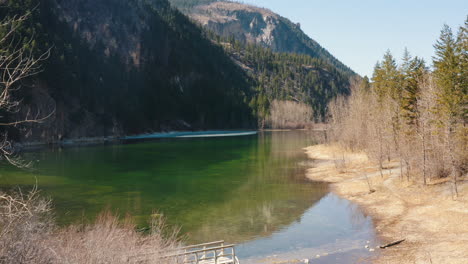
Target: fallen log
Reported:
point(392, 244)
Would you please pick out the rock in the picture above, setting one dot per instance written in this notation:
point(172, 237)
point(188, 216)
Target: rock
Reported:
point(367, 246)
point(306, 261)
point(371, 250)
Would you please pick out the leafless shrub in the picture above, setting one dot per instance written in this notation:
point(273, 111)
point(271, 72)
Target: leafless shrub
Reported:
point(290, 114)
point(108, 240)
point(25, 223)
point(28, 235)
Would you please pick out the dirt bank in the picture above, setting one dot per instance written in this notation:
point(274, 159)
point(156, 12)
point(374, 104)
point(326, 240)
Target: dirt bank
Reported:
point(432, 221)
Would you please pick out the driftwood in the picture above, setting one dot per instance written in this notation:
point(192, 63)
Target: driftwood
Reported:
point(392, 244)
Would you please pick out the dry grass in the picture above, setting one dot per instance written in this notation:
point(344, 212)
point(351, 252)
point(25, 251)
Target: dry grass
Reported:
point(430, 218)
point(28, 235)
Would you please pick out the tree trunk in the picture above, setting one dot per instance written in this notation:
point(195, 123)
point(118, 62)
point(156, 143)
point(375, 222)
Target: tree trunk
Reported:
point(453, 162)
point(423, 138)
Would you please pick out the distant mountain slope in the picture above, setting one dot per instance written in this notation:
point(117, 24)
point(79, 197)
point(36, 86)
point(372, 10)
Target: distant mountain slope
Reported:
point(126, 67)
point(286, 77)
point(120, 67)
point(252, 24)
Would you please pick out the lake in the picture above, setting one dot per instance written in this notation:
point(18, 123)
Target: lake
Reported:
point(250, 190)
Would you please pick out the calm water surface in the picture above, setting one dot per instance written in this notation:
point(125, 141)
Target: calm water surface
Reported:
point(248, 190)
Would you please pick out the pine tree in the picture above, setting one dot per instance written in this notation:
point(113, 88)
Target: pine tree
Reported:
point(365, 84)
point(412, 71)
point(447, 70)
point(462, 52)
point(386, 78)
point(377, 79)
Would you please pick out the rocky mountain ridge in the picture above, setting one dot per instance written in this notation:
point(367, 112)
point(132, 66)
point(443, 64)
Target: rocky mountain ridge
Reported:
point(256, 25)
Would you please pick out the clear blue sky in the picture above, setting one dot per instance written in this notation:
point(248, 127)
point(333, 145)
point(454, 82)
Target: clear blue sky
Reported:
point(358, 32)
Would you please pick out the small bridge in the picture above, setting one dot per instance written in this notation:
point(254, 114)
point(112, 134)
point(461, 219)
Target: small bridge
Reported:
point(207, 253)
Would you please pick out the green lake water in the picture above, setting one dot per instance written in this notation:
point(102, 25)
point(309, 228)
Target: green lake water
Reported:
point(249, 190)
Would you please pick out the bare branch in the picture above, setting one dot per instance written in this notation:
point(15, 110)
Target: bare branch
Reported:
point(17, 63)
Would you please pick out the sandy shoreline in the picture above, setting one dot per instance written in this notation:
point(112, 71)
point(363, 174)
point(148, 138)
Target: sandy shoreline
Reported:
point(432, 221)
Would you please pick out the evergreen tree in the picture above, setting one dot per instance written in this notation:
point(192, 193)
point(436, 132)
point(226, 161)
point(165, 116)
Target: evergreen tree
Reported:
point(412, 71)
point(462, 51)
point(377, 80)
point(365, 84)
point(386, 78)
point(448, 72)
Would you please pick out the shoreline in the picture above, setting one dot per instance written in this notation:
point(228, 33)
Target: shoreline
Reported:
point(432, 222)
point(106, 140)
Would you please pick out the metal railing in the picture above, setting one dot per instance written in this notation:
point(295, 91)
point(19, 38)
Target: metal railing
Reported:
point(206, 253)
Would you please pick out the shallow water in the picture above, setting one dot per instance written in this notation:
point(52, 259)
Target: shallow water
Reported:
point(249, 190)
point(331, 231)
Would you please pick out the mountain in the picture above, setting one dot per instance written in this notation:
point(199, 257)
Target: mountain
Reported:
point(119, 67)
point(285, 62)
point(286, 77)
point(124, 67)
point(255, 25)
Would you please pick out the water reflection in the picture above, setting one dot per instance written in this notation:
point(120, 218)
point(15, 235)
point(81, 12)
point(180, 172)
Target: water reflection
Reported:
point(246, 190)
point(236, 189)
point(333, 228)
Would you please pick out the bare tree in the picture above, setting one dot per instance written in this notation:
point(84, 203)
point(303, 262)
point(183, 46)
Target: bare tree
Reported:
point(17, 63)
point(426, 106)
point(290, 114)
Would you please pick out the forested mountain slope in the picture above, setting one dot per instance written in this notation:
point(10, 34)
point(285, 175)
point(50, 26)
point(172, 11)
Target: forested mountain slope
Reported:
point(286, 77)
point(284, 61)
point(119, 67)
point(124, 67)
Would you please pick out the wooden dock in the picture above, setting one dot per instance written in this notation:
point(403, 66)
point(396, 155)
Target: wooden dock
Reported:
point(207, 253)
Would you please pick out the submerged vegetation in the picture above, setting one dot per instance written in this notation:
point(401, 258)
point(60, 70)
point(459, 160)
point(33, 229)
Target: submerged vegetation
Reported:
point(412, 114)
